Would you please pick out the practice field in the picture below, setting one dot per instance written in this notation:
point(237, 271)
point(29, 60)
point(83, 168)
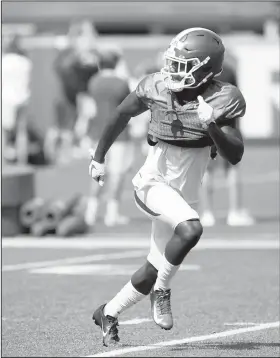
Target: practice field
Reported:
point(225, 297)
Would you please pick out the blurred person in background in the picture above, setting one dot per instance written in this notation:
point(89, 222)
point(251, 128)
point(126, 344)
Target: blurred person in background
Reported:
point(108, 89)
point(74, 65)
point(16, 76)
point(236, 214)
point(190, 111)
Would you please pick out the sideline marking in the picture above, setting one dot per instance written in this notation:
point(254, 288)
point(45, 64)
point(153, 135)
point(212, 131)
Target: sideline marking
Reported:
point(101, 269)
point(74, 260)
point(233, 332)
point(269, 243)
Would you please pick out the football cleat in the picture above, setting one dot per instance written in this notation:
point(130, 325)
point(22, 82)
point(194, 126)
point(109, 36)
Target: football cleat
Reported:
point(161, 308)
point(108, 326)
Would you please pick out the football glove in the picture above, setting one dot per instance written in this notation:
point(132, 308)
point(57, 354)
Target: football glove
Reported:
point(96, 170)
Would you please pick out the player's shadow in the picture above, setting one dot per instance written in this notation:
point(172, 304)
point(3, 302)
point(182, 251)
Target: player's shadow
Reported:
point(234, 346)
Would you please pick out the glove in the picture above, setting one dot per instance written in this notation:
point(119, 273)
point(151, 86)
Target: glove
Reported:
point(96, 170)
point(205, 113)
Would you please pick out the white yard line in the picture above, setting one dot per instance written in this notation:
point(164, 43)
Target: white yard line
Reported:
point(135, 321)
point(143, 320)
point(250, 242)
point(101, 269)
point(74, 260)
point(241, 324)
point(233, 332)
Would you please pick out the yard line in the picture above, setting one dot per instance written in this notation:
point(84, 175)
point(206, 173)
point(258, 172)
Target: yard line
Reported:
point(242, 324)
point(101, 269)
point(135, 321)
point(138, 243)
point(74, 260)
point(233, 332)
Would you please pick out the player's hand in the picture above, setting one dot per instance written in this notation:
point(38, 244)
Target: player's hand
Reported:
point(205, 112)
point(96, 170)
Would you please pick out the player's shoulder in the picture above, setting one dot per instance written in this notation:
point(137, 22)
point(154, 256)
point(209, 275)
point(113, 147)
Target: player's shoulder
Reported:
point(227, 100)
point(227, 90)
point(150, 85)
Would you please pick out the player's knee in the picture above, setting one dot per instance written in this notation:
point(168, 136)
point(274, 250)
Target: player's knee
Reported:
point(190, 232)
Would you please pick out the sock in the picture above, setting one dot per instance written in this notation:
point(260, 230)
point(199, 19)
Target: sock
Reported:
point(165, 274)
point(91, 211)
point(124, 299)
point(112, 211)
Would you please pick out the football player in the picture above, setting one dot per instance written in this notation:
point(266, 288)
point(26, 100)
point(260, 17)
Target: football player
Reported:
point(190, 112)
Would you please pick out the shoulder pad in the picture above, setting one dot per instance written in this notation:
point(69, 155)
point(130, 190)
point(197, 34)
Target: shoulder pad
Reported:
point(148, 87)
point(230, 104)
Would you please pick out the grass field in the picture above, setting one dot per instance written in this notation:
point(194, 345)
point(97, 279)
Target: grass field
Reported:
point(225, 298)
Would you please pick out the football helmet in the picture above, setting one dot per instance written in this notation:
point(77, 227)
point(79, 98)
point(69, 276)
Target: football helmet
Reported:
point(193, 57)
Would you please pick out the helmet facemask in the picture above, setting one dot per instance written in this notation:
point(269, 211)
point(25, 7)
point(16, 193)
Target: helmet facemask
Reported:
point(179, 73)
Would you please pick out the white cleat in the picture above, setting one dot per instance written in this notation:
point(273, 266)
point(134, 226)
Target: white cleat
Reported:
point(161, 308)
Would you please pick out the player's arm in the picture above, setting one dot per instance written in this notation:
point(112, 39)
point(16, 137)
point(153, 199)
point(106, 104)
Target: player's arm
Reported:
point(228, 141)
point(220, 125)
point(130, 107)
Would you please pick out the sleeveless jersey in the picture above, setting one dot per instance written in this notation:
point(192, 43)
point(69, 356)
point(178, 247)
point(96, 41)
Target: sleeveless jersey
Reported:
point(182, 122)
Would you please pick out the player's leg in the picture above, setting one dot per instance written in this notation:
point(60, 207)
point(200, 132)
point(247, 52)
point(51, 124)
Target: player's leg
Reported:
point(135, 290)
point(106, 316)
point(168, 206)
point(140, 285)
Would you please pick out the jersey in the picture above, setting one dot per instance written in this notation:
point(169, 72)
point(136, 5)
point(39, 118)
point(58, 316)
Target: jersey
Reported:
point(228, 75)
point(108, 91)
point(180, 123)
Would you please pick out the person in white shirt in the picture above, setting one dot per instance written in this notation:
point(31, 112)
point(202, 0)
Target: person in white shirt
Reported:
point(16, 74)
